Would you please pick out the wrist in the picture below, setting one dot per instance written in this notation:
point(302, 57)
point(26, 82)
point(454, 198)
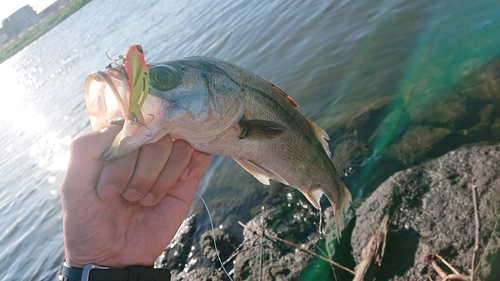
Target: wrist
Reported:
point(71, 263)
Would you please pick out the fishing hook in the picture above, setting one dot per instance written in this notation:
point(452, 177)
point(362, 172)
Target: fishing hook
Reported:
point(120, 57)
point(134, 121)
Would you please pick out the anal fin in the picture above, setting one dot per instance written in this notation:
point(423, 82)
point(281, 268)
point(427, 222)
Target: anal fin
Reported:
point(259, 172)
point(314, 197)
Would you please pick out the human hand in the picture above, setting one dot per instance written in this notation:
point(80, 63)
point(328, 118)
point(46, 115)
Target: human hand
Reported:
point(125, 212)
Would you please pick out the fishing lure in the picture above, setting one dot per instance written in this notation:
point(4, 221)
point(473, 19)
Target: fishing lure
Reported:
point(137, 72)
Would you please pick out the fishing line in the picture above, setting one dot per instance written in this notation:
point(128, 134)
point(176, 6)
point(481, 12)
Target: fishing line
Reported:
point(213, 236)
point(261, 262)
point(320, 227)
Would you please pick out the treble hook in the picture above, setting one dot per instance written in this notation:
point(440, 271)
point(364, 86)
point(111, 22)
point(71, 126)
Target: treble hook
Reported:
point(152, 118)
point(135, 121)
point(120, 57)
point(106, 52)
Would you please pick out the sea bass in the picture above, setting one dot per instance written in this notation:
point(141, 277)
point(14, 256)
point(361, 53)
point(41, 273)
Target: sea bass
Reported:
point(221, 108)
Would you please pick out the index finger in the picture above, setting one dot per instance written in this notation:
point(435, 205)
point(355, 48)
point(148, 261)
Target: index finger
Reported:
point(85, 165)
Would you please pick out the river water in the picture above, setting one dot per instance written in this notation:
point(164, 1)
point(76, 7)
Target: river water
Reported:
point(330, 56)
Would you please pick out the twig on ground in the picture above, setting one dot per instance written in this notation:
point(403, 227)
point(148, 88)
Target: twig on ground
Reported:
point(447, 264)
point(373, 253)
point(438, 269)
point(476, 233)
point(298, 247)
point(456, 277)
point(434, 258)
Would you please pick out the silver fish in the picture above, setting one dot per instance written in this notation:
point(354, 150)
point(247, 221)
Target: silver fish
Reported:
point(221, 108)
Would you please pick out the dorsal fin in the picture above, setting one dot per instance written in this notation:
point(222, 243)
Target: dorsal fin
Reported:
point(322, 136)
point(282, 93)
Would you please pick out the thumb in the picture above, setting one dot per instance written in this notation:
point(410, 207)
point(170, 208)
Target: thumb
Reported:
point(85, 165)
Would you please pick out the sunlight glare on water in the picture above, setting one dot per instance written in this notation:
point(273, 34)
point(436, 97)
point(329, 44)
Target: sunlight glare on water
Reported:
point(57, 157)
point(18, 108)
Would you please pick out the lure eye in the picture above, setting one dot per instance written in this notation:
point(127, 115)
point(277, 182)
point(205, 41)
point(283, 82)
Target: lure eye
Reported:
point(163, 77)
point(139, 48)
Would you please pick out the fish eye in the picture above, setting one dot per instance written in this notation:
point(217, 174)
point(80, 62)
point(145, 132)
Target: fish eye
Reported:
point(163, 77)
point(139, 49)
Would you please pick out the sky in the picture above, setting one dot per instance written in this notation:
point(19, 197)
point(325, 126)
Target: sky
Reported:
point(8, 7)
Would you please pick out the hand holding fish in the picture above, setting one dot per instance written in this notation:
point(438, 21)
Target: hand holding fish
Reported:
point(125, 212)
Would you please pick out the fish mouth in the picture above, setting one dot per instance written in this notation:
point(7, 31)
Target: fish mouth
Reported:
point(107, 96)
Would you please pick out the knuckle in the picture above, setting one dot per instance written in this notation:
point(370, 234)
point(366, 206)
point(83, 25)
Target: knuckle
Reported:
point(141, 183)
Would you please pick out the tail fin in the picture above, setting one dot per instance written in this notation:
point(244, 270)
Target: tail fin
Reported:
point(340, 209)
point(344, 194)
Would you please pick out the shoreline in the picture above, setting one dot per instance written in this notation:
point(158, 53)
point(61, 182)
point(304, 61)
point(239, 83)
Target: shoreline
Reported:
point(39, 29)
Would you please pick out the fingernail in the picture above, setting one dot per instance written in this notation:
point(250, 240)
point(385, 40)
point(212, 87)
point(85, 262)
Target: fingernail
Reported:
point(148, 200)
point(108, 192)
point(132, 195)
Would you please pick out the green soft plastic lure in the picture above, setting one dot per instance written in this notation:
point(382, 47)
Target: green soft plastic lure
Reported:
point(137, 72)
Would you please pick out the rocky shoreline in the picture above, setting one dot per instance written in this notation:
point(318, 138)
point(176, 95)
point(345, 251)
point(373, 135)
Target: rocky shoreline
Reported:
point(430, 212)
point(430, 208)
point(414, 158)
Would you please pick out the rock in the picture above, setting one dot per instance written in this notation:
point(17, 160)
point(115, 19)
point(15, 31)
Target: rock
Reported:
point(225, 244)
point(177, 253)
point(280, 261)
point(482, 83)
point(359, 120)
point(416, 143)
point(485, 120)
point(446, 110)
point(292, 218)
point(495, 128)
point(431, 211)
point(488, 268)
point(349, 154)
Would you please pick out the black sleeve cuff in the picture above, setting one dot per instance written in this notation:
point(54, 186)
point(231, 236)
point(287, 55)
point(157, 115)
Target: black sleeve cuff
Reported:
point(136, 273)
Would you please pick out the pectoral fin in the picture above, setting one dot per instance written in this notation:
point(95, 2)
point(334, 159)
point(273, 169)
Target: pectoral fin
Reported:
point(260, 129)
